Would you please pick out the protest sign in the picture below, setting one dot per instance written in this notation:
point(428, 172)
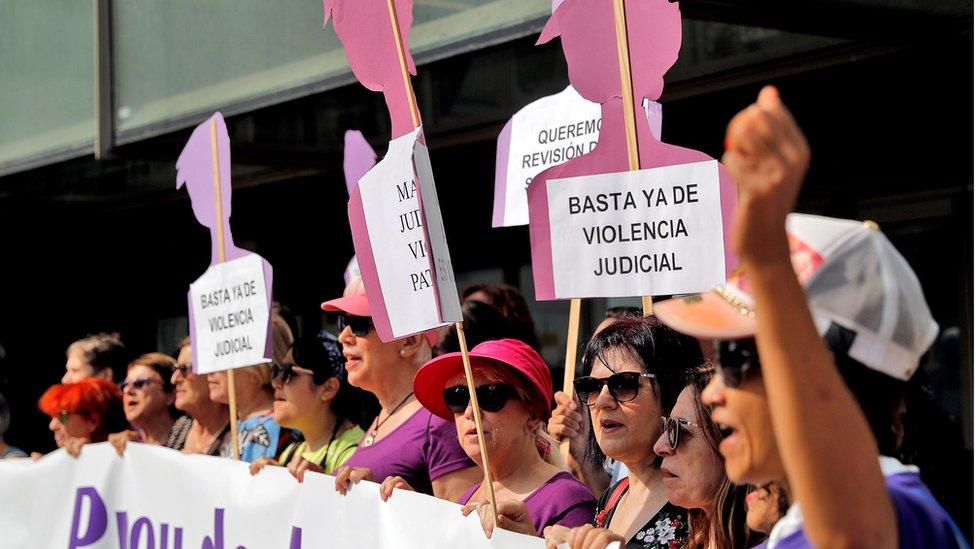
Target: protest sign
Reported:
point(230, 312)
point(157, 498)
point(544, 133)
point(400, 244)
point(649, 232)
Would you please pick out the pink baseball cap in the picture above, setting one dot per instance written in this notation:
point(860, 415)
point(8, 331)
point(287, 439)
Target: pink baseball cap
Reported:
point(432, 378)
point(852, 276)
point(355, 302)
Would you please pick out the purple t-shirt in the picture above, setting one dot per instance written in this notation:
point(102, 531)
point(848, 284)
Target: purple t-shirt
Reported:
point(922, 522)
point(423, 448)
point(562, 500)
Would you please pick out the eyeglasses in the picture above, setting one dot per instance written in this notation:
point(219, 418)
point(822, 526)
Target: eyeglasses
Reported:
point(491, 398)
point(284, 373)
point(674, 426)
point(137, 384)
point(623, 386)
point(63, 416)
point(360, 325)
point(735, 358)
point(183, 369)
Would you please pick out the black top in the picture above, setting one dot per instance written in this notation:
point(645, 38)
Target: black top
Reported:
point(667, 529)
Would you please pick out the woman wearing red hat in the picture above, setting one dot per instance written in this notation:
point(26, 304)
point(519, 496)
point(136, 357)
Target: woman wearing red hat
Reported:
point(404, 440)
point(514, 389)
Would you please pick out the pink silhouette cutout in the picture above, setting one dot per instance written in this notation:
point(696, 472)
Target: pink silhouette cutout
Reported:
point(363, 27)
point(195, 171)
point(588, 36)
point(357, 158)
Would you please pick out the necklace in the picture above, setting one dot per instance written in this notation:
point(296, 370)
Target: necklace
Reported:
point(375, 428)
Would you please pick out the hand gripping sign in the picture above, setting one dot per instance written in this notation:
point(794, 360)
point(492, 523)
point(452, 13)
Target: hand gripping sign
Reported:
point(393, 211)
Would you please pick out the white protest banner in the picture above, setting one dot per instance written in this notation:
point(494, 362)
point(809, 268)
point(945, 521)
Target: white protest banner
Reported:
point(157, 498)
point(400, 243)
point(546, 132)
point(230, 314)
point(648, 232)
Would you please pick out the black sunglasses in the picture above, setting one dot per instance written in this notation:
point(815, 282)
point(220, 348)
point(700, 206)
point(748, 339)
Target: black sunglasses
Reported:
point(491, 398)
point(674, 427)
point(183, 369)
point(360, 325)
point(137, 384)
point(284, 372)
point(623, 386)
point(736, 358)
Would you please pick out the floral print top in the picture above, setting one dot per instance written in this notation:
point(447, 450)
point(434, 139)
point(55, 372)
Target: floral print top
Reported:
point(668, 529)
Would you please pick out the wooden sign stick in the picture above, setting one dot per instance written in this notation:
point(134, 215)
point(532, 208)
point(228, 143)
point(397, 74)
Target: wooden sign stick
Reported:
point(465, 358)
point(630, 122)
point(222, 257)
point(572, 343)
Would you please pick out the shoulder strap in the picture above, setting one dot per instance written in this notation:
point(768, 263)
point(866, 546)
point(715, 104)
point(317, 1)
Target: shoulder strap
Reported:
point(618, 492)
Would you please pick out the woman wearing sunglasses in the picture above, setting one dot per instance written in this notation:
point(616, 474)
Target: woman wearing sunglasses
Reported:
point(514, 388)
point(82, 412)
point(839, 325)
point(404, 440)
point(209, 430)
point(694, 474)
point(147, 398)
point(310, 396)
point(635, 367)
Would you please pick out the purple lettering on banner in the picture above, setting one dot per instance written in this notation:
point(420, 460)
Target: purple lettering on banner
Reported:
point(218, 540)
point(164, 537)
point(142, 523)
point(296, 538)
point(97, 518)
point(122, 521)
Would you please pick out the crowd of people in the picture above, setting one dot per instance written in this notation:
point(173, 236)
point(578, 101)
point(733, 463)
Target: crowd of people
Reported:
point(766, 411)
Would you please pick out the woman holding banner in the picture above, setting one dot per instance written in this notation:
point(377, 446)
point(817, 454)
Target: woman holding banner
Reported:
point(311, 396)
point(147, 398)
point(82, 412)
point(209, 432)
point(513, 386)
point(636, 367)
point(404, 440)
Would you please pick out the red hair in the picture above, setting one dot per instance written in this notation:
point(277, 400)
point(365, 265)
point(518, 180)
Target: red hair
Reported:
point(95, 398)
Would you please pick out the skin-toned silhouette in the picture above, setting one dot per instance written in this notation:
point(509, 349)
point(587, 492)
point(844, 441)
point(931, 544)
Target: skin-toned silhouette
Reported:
point(195, 171)
point(364, 29)
point(588, 37)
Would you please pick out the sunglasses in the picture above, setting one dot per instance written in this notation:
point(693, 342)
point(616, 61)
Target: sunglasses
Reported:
point(137, 384)
point(360, 325)
point(491, 398)
point(674, 427)
point(623, 386)
point(63, 416)
point(284, 373)
point(183, 369)
point(736, 358)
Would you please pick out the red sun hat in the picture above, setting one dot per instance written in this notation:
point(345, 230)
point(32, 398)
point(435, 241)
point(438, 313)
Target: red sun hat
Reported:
point(432, 378)
point(354, 302)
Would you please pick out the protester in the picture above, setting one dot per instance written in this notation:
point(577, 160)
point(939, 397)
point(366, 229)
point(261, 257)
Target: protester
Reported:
point(7, 451)
point(101, 355)
point(82, 412)
point(766, 504)
point(812, 413)
point(694, 474)
point(513, 384)
point(209, 430)
point(511, 304)
point(405, 439)
point(147, 398)
point(635, 367)
point(310, 396)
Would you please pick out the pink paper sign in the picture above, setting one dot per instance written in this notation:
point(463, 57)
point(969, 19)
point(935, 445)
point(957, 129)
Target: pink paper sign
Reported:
point(588, 37)
point(230, 304)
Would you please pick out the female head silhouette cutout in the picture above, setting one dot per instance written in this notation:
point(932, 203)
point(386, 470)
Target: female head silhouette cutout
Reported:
point(588, 36)
point(194, 169)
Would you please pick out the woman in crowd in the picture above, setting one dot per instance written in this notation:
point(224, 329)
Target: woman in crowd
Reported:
point(765, 505)
point(101, 355)
point(82, 412)
point(7, 451)
point(209, 430)
point(311, 397)
point(635, 367)
point(258, 434)
point(807, 403)
point(404, 440)
point(147, 398)
point(513, 385)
